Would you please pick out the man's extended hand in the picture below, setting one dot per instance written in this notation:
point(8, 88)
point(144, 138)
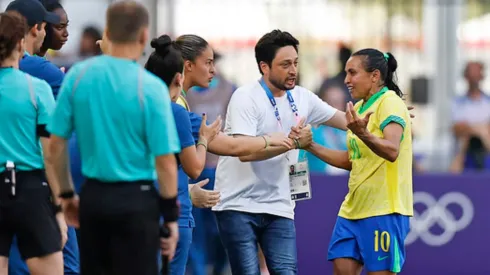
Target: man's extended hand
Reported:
point(301, 134)
point(280, 139)
point(296, 130)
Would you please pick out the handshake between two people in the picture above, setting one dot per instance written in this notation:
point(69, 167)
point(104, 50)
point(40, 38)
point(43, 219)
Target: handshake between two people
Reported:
point(300, 137)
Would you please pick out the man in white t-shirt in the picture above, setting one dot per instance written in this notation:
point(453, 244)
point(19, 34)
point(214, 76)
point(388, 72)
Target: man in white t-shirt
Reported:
point(256, 205)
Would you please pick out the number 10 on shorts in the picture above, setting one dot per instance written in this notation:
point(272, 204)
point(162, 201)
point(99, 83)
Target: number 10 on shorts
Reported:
point(381, 240)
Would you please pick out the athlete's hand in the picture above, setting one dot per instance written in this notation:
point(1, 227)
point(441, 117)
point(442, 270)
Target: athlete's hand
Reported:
point(357, 125)
point(302, 134)
point(168, 245)
point(70, 209)
point(280, 139)
point(60, 217)
point(202, 198)
point(209, 132)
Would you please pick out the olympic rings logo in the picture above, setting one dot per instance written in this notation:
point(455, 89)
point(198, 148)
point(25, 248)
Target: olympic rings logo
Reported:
point(437, 213)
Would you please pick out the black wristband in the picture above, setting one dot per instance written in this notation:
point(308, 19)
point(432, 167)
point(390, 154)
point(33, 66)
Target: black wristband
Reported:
point(67, 195)
point(170, 210)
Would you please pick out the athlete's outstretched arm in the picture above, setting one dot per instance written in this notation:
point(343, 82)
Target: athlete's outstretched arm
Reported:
point(193, 157)
point(264, 154)
point(303, 139)
point(239, 145)
point(337, 158)
point(243, 120)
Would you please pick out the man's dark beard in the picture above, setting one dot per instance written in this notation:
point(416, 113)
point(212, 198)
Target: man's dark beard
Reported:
point(278, 84)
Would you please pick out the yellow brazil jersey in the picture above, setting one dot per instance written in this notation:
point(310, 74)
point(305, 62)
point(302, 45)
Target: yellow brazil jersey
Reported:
point(182, 102)
point(378, 186)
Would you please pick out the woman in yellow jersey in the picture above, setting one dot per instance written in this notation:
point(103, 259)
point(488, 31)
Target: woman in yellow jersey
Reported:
point(374, 218)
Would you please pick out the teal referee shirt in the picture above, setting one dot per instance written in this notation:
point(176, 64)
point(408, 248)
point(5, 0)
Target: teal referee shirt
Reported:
point(122, 117)
point(25, 103)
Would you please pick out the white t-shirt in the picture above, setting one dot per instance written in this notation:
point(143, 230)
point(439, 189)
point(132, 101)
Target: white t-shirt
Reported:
point(471, 111)
point(263, 186)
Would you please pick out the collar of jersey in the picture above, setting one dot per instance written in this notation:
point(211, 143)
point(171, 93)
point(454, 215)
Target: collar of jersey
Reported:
point(373, 99)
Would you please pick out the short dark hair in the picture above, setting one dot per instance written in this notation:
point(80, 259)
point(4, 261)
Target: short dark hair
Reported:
point(191, 46)
point(376, 60)
point(125, 20)
point(13, 28)
point(166, 61)
point(270, 43)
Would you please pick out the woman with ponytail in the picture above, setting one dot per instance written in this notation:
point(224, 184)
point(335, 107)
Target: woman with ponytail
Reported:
point(373, 220)
point(166, 62)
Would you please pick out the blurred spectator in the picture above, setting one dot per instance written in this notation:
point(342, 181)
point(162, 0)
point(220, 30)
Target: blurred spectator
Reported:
point(471, 123)
point(329, 137)
point(88, 46)
point(338, 80)
point(206, 244)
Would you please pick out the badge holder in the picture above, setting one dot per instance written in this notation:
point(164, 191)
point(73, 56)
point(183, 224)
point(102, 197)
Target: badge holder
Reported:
point(299, 179)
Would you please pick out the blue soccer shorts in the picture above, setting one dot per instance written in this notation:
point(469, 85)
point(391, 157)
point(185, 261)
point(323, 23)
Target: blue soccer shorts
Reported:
point(376, 242)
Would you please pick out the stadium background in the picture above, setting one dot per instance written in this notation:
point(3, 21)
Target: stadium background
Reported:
point(432, 40)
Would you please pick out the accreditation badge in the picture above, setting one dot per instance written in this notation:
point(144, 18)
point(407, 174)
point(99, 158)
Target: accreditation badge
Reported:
point(299, 181)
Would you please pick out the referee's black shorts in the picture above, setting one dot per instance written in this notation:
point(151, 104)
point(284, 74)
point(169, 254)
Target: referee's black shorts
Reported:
point(119, 228)
point(29, 215)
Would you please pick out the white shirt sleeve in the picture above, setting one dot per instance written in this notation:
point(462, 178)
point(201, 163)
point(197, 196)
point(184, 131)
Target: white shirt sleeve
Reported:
point(457, 115)
point(242, 116)
point(319, 111)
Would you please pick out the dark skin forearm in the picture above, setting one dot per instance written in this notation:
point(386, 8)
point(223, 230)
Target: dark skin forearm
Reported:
point(336, 158)
point(387, 147)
